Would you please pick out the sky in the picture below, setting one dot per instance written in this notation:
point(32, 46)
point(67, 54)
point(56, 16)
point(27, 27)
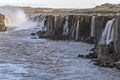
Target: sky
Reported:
point(58, 3)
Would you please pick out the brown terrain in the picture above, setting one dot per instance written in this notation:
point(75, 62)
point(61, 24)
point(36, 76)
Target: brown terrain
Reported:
point(104, 8)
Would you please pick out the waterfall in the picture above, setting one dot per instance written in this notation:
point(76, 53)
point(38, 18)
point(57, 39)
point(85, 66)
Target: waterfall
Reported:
point(77, 31)
point(36, 18)
point(73, 32)
point(108, 33)
point(92, 33)
point(65, 28)
point(41, 23)
point(13, 16)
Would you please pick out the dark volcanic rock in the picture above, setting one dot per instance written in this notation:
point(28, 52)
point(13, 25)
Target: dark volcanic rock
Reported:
point(40, 33)
point(101, 63)
point(90, 40)
point(117, 65)
point(82, 56)
point(91, 55)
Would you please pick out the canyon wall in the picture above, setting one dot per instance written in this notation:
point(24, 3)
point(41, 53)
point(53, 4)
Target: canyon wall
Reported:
point(68, 27)
point(103, 31)
point(116, 45)
point(117, 36)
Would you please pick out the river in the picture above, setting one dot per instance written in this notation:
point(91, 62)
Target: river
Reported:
point(23, 58)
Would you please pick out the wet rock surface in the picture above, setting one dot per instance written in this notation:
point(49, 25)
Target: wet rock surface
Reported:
point(116, 42)
point(91, 55)
point(23, 58)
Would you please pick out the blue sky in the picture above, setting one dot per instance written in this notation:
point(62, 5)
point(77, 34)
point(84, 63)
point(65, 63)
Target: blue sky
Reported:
point(58, 3)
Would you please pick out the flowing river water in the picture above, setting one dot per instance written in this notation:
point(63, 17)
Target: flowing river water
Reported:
point(23, 58)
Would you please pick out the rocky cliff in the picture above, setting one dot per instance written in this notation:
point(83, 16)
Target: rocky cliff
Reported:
point(68, 27)
point(101, 30)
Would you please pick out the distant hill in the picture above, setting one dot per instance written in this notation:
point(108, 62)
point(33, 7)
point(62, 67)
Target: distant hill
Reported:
point(102, 9)
point(108, 7)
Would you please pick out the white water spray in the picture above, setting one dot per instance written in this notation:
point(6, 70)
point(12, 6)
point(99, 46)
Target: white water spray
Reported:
point(92, 33)
point(13, 16)
point(108, 33)
point(30, 23)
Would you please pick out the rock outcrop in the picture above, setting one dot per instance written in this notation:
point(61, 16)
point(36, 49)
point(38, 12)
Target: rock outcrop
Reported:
point(108, 53)
point(2, 24)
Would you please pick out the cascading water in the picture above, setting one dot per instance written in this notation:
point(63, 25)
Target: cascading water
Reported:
point(92, 33)
point(73, 32)
point(13, 16)
point(108, 33)
point(65, 28)
point(41, 23)
point(77, 31)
